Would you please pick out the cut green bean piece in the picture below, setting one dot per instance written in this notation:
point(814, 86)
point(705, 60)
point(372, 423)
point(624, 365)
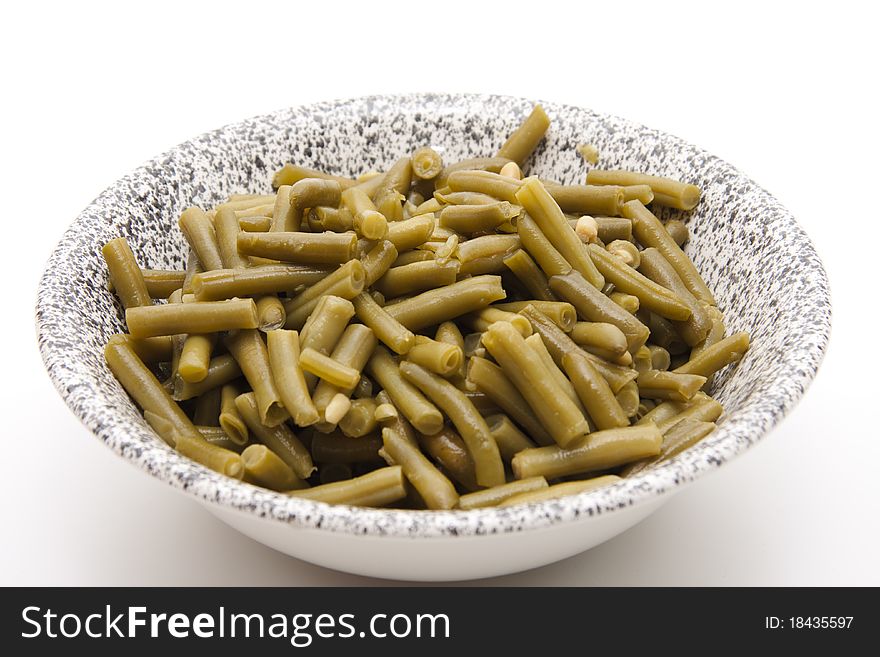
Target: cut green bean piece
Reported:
point(588, 199)
point(221, 371)
point(284, 356)
point(442, 304)
point(522, 142)
point(360, 419)
point(484, 182)
point(598, 451)
point(557, 412)
point(226, 229)
point(536, 344)
point(529, 274)
point(481, 320)
point(176, 318)
point(628, 398)
point(660, 358)
point(436, 490)
point(594, 306)
point(498, 494)
point(478, 218)
point(217, 436)
point(195, 358)
point(260, 280)
point(417, 277)
point(193, 267)
point(353, 351)
point(198, 229)
point(387, 329)
point(267, 469)
point(508, 437)
point(336, 448)
point(673, 386)
point(560, 313)
point(464, 198)
point(393, 189)
point(378, 260)
point(280, 439)
point(486, 164)
point(438, 357)
point(663, 411)
point(424, 416)
point(346, 282)
point(327, 369)
point(149, 350)
point(720, 355)
point(143, 386)
point(594, 392)
point(544, 210)
point(376, 489)
point(270, 313)
point(300, 248)
point(682, 436)
point(466, 419)
point(601, 338)
point(368, 222)
point(426, 163)
point(249, 350)
point(667, 192)
point(290, 174)
point(561, 490)
point(678, 231)
point(704, 409)
point(649, 231)
point(230, 419)
point(410, 233)
point(162, 282)
point(125, 274)
point(448, 449)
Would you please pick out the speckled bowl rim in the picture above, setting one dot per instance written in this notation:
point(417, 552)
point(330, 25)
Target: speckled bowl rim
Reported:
point(736, 434)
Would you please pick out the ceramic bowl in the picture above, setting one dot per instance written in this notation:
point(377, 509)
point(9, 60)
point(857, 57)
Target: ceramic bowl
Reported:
point(762, 267)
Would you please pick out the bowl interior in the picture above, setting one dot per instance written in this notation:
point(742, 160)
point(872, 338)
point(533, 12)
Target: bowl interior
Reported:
point(765, 273)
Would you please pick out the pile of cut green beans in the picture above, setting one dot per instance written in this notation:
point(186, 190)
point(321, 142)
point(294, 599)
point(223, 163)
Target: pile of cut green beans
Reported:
point(434, 336)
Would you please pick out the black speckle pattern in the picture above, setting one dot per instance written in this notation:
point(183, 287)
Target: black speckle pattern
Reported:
point(762, 267)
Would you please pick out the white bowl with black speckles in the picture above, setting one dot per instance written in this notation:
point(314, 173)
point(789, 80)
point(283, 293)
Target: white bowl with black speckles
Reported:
point(765, 273)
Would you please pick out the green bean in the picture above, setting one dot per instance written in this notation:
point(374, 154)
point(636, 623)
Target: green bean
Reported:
point(508, 437)
point(329, 473)
point(175, 318)
point(594, 392)
point(433, 486)
point(642, 193)
point(360, 419)
point(226, 229)
point(522, 142)
point(438, 357)
point(714, 336)
point(659, 358)
point(685, 434)
point(600, 450)
point(193, 267)
point(678, 231)
point(628, 302)
point(285, 213)
point(588, 199)
point(264, 279)
point(125, 274)
point(663, 332)
point(601, 338)
point(536, 344)
point(378, 260)
point(478, 218)
point(326, 248)
point(336, 448)
point(664, 411)
point(326, 323)
point(393, 189)
point(720, 355)
point(594, 306)
point(268, 470)
point(485, 182)
point(364, 388)
point(142, 386)
point(149, 350)
point(290, 174)
point(249, 350)
point(198, 230)
point(549, 402)
point(495, 496)
point(439, 305)
point(466, 419)
point(625, 251)
point(542, 208)
point(561, 490)
point(449, 450)
point(417, 277)
point(162, 282)
point(270, 313)
point(704, 409)
point(287, 373)
point(465, 198)
point(429, 207)
point(425, 417)
point(353, 351)
point(650, 232)
point(536, 244)
point(449, 333)
point(387, 329)
point(230, 419)
point(368, 222)
point(559, 312)
point(327, 369)
point(280, 439)
point(487, 164)
point(628, 398)
point(481, 320)
point(657, 268)
point(377, 488)
point(339, 220)
point(671, 193)
point(346, 282)
point(256, 211)
point(211, 456)
point(491, 264)
point(487, 246)
point(196, 357)
point(426, 163)
point(410, 233)
point(529, 274)
point(652, 296)
point(221, 370)
point(245, 201)
point(673, 386)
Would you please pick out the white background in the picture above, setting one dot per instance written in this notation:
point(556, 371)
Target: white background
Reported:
point(786, 94)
